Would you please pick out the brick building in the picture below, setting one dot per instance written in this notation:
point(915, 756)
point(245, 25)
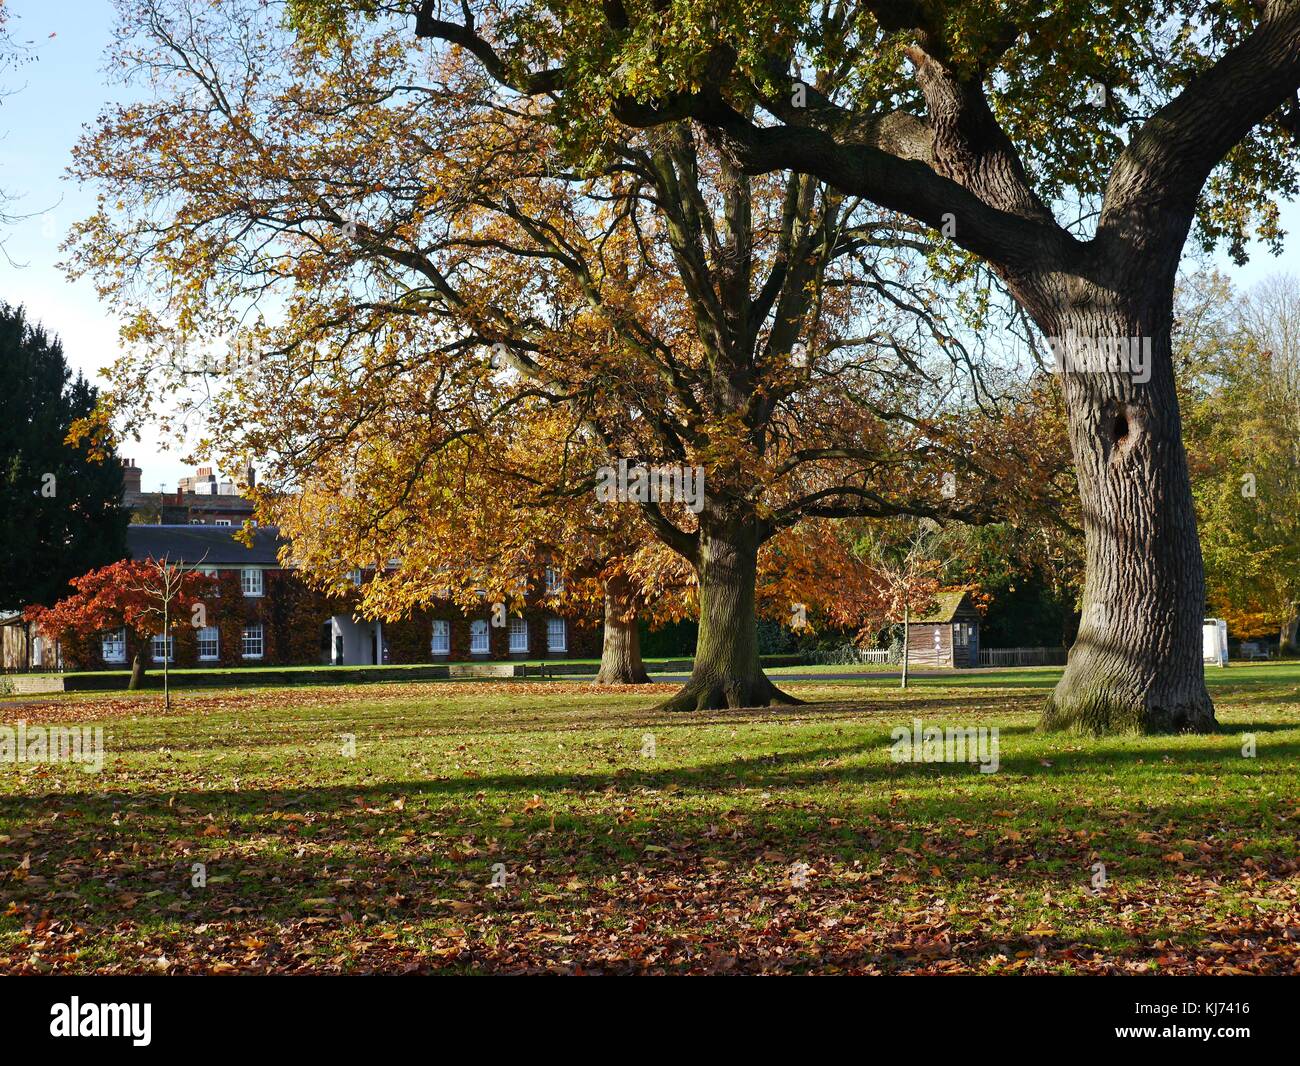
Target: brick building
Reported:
point(200, 499)
point(263, 615)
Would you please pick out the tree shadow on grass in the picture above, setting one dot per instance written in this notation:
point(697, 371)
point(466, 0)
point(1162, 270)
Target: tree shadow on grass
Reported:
point(316, 861)
point(304, 861)
point(578, 720)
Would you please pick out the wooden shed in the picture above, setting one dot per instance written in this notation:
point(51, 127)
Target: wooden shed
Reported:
point(948, 635)
point(23, 649)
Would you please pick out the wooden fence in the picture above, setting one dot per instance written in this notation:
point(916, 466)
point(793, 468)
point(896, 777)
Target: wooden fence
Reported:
point(1022, 656)
point(850, 656)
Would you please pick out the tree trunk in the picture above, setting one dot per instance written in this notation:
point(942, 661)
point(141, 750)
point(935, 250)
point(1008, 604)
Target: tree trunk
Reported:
point(727, 671)
point(137, 672)
point(1286, 638)
point(1135, 665)
point(906, 640)
point(620, 655)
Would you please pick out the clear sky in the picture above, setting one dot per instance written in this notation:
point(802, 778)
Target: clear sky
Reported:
point(60, 93)
point(52, 99)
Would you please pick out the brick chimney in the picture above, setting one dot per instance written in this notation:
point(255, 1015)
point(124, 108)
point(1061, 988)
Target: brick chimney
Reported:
point(131, 475)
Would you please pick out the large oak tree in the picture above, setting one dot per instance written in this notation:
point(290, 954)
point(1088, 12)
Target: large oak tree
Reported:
point(416, 259)
point(981, 121)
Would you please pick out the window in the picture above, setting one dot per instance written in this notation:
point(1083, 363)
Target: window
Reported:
point(222, 522)
point(251, 582)
point(113, 646)
point(196, 521)
point(209, 643)
point(441, 642)
point(164, 648)
point(556, 635)
point(356, 576)
point(251, 641)
point(518, 635)
point(554, 583)
point(478, 637)
point(215, 574)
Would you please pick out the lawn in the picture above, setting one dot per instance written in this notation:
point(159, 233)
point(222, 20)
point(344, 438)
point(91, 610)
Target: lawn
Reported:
point(751, 841)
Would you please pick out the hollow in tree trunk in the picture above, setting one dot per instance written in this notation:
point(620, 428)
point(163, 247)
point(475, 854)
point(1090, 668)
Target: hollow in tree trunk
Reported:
point(727, 671)
point(1135, 665)
point(620, 654)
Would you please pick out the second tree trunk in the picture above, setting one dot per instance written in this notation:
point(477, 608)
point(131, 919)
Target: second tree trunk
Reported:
point(620, 655)
point(727, 672)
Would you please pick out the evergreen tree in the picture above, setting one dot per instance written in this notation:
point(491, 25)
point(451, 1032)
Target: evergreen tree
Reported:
point(60, 504)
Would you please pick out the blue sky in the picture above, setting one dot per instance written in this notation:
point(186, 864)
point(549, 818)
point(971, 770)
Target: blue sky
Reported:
point(60, 93)
point(52, 99)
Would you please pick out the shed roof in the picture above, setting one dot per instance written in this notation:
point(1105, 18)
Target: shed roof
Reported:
point(948, 605)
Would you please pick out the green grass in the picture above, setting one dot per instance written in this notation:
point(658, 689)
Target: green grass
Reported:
point(684, 862)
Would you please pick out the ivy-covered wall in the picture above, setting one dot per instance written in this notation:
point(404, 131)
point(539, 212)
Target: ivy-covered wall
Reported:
point(409, 640)
point(292, 616)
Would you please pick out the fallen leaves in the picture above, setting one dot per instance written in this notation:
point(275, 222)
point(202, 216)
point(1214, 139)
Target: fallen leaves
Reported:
point(322, 865)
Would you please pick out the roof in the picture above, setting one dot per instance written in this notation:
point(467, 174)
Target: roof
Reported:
point(203, 545)
point(948, 604)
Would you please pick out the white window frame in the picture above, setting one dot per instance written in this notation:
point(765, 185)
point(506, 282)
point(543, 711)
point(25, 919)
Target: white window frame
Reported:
point(116, 638)
point(170, 647)
point(518, 636)
point(554, 623)
point(245, 638)
point(220, 521)
point(480, 628)
point(554, 581)
point(441, 629)
point(209, 634)
point(245, 585)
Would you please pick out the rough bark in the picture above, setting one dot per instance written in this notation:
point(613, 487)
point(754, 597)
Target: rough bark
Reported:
point(727, 672)
point(620, 654)
point(1135, 665)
